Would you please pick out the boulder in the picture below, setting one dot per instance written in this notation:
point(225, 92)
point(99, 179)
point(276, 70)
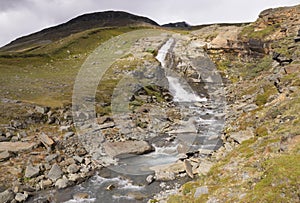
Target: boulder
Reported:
point(201, 191)
point(114, 149)
point(31, 171)
point(7, 196)
point(167, 171)
point(21, 197)
point(243, 135)
point(188, 168)
point(55, 172)
point(293, 68)
point(46, 140)
point(73, 168)
point(204, 167)
point(80, 196)
point(61, 183)
point(4, 156)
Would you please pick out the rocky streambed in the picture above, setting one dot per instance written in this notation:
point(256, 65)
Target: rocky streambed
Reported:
point(143, 154)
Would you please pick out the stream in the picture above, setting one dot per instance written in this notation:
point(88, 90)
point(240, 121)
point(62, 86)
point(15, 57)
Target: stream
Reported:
point(199, 130)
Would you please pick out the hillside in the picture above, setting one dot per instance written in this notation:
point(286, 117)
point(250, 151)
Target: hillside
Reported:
point(76, 25)
point(245, 82)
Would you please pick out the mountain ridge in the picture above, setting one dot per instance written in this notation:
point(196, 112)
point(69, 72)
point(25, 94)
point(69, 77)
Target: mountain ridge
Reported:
point(79, 24)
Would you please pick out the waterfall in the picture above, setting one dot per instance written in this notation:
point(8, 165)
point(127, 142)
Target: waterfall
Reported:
point(181, 92)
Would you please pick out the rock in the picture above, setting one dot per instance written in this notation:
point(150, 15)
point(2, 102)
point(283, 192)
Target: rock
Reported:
point(45, 183)
point(55, 172)
point(114, 149)
point(68, 135)
point(47, 141)
point(74, 177)
point(188, 168)
point(107, 125)
point(201, 191)
point(4, 156)
point(16, 146)
point(21, 197)
point(7, 196)
point(167, 171)
point(138, 196)
point(182, 156)
point(78, 159)
point(110, 187)
point(61, 183)
point(31, 171)
point(292, 68)
point(51, 157)
point(204, 167)
point(250, 107)
point(42, 110)
point(241, 136)
point(150, 179)
point(80, 196)
point(73, 168)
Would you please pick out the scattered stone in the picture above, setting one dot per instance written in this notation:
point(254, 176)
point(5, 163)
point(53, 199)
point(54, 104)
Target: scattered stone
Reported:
point(78, 159)
point(188, 168)
point(51, 157)
point(250, 107)
point(80, 196)
point(150, 179)
point(45, 183)
point(204, 167)
point(68, 135)
point(7, 196)
point(42, 110)
point(73, 168)
point(55, 172)
point(138, 196)
point(114, 149)
point(31, 171)
point(292, 68)
point(16, 146)
point(168, 171)
point(241, 136)
point(201, 191)
point(110, 187)
point(74, 177)
point(4, 156)
point(107, 125)
point(182, 156)
point(47, 141)
point(21, 197)
point(61, 183)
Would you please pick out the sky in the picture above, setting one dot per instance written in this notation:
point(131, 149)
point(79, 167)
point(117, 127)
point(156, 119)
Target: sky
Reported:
point(23, 17)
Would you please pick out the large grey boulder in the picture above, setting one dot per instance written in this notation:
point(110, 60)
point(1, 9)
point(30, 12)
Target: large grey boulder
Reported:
point(55, 172)
point(31, 171)
point(114, 149)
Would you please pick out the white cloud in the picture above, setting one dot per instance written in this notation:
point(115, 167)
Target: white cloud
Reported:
point(21, 17)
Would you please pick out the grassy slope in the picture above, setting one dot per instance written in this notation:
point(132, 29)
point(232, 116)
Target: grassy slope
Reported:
point(45, 75)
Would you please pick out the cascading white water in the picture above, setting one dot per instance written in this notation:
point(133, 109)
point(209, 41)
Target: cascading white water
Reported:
point(180, 94)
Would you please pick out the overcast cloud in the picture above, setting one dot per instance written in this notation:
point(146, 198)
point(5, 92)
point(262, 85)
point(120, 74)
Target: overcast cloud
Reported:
point(22, 17)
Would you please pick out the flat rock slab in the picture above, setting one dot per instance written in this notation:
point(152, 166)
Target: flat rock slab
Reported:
point(114, 149)
point(16, 146)
point(46, 140)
